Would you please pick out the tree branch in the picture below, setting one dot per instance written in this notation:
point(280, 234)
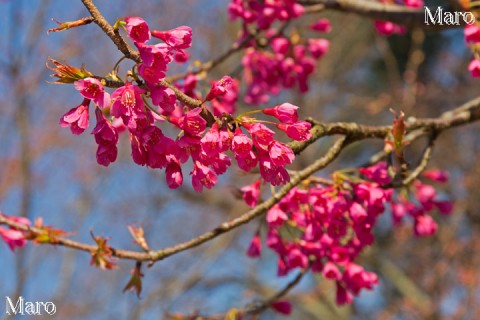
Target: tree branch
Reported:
point(411, 17)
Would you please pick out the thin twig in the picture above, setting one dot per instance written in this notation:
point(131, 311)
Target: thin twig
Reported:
point(384, 11)
point(331, 154)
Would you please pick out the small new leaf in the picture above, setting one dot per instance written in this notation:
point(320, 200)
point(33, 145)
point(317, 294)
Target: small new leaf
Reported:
point(138, 237)
point(102, 256)
point(47, 234)
point(66, 73)
point(135, 282)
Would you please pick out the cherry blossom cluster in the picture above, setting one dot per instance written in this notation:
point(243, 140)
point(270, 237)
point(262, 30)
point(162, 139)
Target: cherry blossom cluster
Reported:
point(264, 13)
point(387, 28)
point(283, 61)
point(285, 65)
point(472, 38)
point(326, 226)
point(127, 109)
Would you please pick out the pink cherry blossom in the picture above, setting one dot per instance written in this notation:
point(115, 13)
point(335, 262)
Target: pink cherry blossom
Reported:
point(127, 100)
point(219, 88)
point(173, 174)
point(202, 176)
point(251, 193)
point(12, 237)
point(282, 307)
point(321, 25)
point(318, 47)
point(280, 154)
point(91, 88)
point(193, 122)
point(211, 143)
point(159, 54)
point(425, 225)
point(247, 162)
point(285, 113)
point(414, 3)
point(106, 137)
point(137, 29)
point(77, 118)
point(255, 247)
point(436, 175)
point(276, 216)
point(262, 136)
point(163, 97)
point(299, 131)
point(472, 33)
point(387, 28)
point(330, 271)
point(280, 45)
point(241, 144)
point(474, 68)
point(343, 296)
point(178, 38)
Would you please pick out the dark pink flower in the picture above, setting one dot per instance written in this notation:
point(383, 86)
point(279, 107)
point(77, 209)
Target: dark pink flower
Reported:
point(173, 173)
point(436, 175)
point(445, 207)
point(152, 74)
point(211, 143)
point(299, 131)
point(285, 113)
point(178, 38)
point(181, 56)
point(330, 271)
point(321, 25)
point(219, 163)
point(414, 3)
point(12, 237)
point(251, 193)
point(387, 28)
point(425, 193)
point(472, 33)
point(282, 307)
point(474, 68)
point(226, 103)
point(276, 216)
point(377, 173)
point(318, 47)
point(219, 88)
point(343, 296)
point(91, 88)
point(137, 29)
point(193, 122)
point(262, 136)
point(424, 225)
point(127, 100)
point(202, 176)
point(357, 212)
point(163, 97)
point(106, 137)
point(271, 173)
point(76, 118)
point(247, 162)
point(280, 154)
point(255, 247)
point(280, 45)
point(158, 54)
point(241, 144)
point(296, 259)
